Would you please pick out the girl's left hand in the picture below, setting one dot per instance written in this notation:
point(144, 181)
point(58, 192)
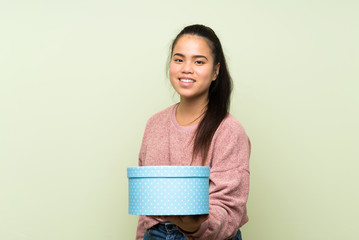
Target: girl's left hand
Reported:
point(187, 223)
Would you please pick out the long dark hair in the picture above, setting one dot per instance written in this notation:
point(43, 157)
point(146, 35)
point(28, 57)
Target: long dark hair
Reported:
point(219, 91)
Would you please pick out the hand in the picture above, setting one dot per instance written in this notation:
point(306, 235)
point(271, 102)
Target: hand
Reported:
point(189, 223)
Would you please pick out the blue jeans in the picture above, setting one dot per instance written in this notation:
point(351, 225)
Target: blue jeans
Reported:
point(169, 231)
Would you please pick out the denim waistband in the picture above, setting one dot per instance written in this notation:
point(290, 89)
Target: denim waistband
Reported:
point(172, 228)
point(167, 226)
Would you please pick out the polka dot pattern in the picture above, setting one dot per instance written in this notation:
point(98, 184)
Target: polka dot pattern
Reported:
point(168, 190)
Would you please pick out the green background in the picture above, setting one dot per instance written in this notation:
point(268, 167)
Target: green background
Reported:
point(79, 79)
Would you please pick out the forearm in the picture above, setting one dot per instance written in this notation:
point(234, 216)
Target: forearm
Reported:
point(140, 229)
point(227, 207)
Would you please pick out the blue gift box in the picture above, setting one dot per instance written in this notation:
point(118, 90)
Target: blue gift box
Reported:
point(168, 190)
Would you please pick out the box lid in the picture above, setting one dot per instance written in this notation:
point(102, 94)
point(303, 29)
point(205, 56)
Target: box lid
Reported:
point(168, 171)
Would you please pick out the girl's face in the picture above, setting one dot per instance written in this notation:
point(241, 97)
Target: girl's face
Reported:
point(192, 68)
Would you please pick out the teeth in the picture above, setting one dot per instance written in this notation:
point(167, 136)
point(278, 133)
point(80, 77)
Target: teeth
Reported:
point(186, 80)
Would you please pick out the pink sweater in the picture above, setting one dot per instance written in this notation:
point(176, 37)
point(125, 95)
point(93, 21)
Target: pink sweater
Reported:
point(165, 142)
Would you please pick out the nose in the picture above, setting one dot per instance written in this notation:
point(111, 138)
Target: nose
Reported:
point(187, 67)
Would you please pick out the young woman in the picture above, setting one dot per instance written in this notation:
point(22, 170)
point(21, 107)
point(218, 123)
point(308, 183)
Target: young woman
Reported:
point(199, 131)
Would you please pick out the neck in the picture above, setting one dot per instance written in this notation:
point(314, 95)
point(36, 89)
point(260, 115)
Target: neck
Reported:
point(190, 112)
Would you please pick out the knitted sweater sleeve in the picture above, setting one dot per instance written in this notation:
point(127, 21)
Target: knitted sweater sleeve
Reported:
point(141, 230)
point(229, 184)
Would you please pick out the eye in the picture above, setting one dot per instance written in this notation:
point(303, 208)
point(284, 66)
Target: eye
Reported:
point(199, 62)
point(177, 60)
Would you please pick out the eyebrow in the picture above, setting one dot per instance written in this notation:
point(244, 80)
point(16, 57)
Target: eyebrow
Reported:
point(194, 56)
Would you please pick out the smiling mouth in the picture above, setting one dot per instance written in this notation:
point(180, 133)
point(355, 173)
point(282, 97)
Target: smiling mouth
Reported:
point(187, 80)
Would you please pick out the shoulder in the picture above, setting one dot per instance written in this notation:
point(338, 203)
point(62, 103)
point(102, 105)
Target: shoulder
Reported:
point(161, 117)
point(230, 130)
point(231, 146)
point(231, 125)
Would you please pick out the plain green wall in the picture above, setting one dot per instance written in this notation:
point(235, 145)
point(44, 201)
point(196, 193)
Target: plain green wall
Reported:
point(79, 79)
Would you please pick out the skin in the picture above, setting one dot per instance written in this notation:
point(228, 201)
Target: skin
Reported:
point(192, 59)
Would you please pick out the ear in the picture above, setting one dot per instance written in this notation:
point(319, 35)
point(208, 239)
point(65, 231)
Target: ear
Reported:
point(216, 72)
